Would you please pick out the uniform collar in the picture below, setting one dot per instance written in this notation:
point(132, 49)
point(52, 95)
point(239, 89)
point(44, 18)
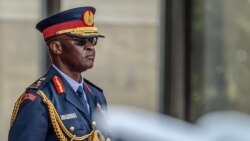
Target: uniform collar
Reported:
point(74, 84)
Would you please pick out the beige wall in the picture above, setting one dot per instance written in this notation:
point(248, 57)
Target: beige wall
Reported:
point(19, 54)
point(19, 64)
point(126, 65)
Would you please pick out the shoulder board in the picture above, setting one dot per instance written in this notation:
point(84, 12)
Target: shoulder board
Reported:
point(93, 85)
point(28, 96)
point(39, 83)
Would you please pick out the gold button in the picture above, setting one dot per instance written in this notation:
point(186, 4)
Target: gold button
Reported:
point(94, 123)
point(72, 128)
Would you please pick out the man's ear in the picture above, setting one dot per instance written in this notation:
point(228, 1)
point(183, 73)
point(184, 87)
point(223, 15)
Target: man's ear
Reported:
point(55, 47)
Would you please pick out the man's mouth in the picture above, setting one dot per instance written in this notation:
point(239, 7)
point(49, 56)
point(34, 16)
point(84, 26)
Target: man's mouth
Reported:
point(90, 57)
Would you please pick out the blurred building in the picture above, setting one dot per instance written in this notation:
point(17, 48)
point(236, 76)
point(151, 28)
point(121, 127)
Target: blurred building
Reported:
point(183, 58)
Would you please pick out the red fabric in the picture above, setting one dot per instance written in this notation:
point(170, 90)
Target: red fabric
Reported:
point(58, 84)
point(29, 96)
point(86, 85)
point(51, 31)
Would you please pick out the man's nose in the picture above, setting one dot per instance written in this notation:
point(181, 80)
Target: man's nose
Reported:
point(89, 46)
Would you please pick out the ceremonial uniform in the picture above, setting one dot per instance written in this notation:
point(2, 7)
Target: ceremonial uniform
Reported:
point(55, 107)
point(33, 120)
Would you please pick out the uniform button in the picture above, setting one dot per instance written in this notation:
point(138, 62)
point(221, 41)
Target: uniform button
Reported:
point(94, 123)
point(72, 128)
point(108, 139)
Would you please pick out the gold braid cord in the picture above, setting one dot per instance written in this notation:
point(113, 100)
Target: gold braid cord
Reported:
point(15, 110)
point(59, 128)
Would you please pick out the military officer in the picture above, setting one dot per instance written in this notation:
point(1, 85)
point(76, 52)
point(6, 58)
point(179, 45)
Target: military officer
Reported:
point(60, 104)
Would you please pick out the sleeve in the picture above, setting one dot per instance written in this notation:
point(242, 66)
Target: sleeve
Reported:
point(32, 120)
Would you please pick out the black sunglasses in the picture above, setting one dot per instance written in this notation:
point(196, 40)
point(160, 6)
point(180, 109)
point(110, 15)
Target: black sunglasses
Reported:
point(84, 41)
point(79, 41)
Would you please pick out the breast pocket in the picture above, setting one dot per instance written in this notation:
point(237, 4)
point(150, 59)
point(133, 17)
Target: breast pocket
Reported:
point(76, 125)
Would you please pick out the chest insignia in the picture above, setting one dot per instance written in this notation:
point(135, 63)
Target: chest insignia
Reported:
point(58, 84)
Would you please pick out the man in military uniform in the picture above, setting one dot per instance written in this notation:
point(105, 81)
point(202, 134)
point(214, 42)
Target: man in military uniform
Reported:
point(60, 104)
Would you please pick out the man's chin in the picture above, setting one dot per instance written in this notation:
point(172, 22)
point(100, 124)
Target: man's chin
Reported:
point(87, 67)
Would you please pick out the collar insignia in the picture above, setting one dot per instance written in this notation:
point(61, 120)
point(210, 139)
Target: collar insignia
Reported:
point(58, 84)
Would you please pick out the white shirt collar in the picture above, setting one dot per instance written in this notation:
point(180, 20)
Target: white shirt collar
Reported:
point(74, 84)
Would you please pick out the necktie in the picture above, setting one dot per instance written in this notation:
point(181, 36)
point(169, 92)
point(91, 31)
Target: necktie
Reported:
point(81, 96)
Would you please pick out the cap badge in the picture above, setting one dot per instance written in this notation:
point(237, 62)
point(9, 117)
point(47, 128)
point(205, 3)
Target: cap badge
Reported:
point(88, 17)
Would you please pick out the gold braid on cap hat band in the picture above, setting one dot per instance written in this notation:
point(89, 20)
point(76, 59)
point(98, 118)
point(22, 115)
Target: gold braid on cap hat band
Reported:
point(59, 128)
point(82, 31)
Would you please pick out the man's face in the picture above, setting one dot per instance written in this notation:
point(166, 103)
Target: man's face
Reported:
point(78, 54)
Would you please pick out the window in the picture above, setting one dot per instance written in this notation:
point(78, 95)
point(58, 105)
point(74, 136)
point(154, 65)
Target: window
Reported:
point(220, 62)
